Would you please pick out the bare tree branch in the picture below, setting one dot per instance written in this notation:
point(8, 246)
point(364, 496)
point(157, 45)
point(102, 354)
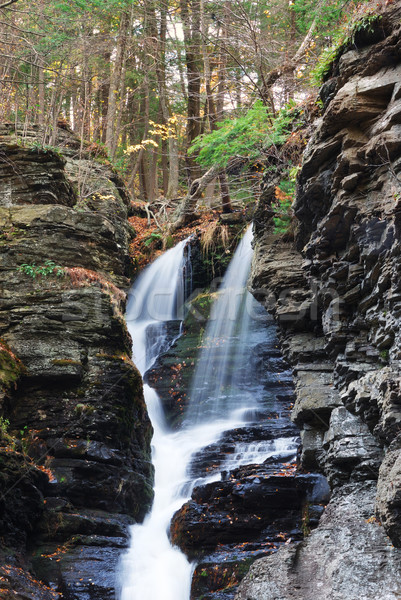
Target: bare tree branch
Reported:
point(5, 4)
point(185, 211)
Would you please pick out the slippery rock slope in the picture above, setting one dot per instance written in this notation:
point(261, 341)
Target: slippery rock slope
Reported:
point(75, 456)
point(337, 298)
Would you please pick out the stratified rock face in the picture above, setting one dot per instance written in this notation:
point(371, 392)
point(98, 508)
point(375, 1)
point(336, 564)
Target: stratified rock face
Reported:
point(348, 557)
point(78, 410)
point(337, 298)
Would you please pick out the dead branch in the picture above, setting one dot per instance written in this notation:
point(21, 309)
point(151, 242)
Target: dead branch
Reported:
point(5, 4)
point(185, 212)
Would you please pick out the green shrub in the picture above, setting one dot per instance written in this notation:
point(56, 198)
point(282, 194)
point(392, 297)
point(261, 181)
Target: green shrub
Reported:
point(247, 136)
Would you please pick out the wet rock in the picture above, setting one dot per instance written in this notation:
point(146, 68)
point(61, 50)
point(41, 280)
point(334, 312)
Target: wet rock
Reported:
point(212, 458)
point(172, 373)
point(17, 584)
point(312, 452)
point(240, 509)
point(256, 502)
point(352, 451)
point(218, 580)
point(316, 397)
point(22, 486)
point(90, 572)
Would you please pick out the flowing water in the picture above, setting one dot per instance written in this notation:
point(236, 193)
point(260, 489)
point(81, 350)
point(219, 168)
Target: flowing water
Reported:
point(216, 392)
point(224, 396)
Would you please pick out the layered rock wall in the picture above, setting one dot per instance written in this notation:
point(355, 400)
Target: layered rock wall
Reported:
point(336, 295)
point(76, 453)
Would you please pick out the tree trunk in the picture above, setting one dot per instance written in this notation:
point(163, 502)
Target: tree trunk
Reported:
point(192, 40)
point(144, 106)
point(104, 91)
point(115, 83)
point(170, 171)
point(174, 160)
point(153, 190)
point(215, 109)
point(41, 92)
point(209, 193)
point(120, 112)
point(142, 179)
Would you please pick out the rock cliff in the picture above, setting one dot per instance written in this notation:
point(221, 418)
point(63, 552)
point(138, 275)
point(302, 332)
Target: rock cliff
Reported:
point(336, 294)
point(75, 468)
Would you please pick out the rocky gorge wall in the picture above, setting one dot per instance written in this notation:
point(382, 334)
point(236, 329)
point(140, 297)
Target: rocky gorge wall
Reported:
point(336, 294)
point(75, 435)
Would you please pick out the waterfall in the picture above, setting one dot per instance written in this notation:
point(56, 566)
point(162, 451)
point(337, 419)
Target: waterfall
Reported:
point(156, 298)
point(215, 389)
point(151, 565)
point(224, 396)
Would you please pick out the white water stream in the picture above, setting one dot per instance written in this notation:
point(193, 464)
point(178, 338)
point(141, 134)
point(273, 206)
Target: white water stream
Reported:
point(224, 348)
point(152, 569)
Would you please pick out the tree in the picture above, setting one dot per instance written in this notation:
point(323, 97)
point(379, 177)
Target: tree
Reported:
point(191, 21)
point(146, 78)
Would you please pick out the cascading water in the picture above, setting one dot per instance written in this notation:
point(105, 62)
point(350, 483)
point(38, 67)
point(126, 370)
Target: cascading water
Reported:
point(153, 569)
point(223, 397)
point(156, 298)
point(149, 570)
point(218, 372)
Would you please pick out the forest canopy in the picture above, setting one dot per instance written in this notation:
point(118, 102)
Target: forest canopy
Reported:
point(148, 81)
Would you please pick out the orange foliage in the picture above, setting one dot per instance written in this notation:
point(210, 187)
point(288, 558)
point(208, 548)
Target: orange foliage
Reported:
point(9, 571)
point(280, 195)
point(139, 253)
point(81, 277)
point(47, 471)
point(288, 470)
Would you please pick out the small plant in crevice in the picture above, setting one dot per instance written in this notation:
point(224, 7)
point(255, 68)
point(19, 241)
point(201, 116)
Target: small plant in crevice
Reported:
point(48, 269)
point(10, 234)
point(153, 237)
point(37, 146)
point(4, 425)
point(209, 237)
point(84, 409)
point(5, 436)
point(217, 242)
point(385, 356)
point(305, 526)
point(199, 341)
point(340, 40)
point(23, 434)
